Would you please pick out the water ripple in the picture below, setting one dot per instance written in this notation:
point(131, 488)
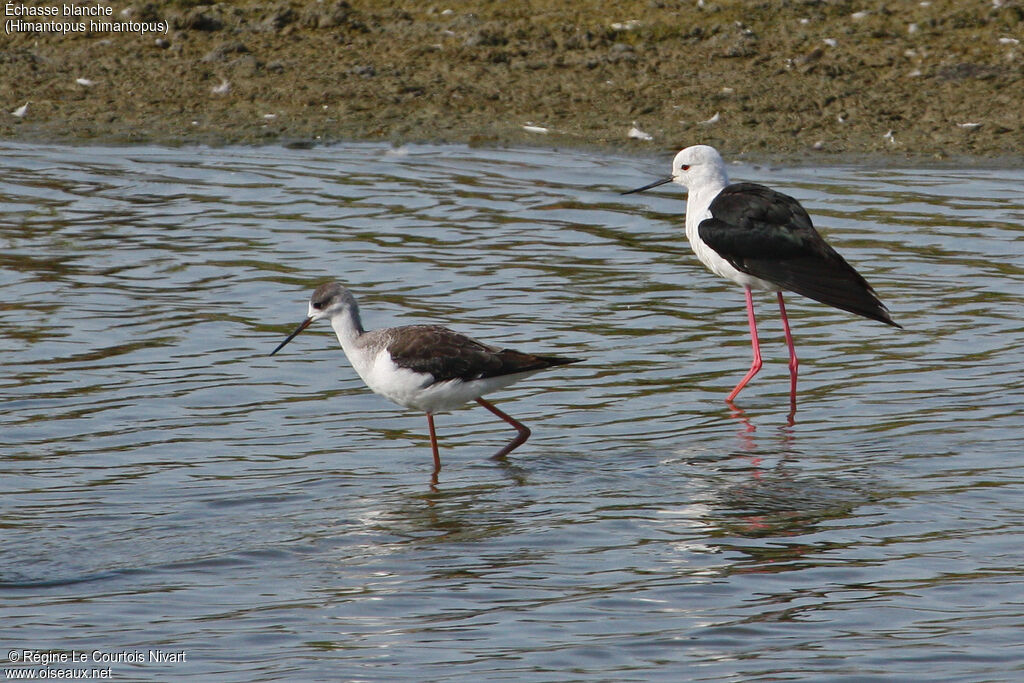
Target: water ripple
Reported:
point(169, 485)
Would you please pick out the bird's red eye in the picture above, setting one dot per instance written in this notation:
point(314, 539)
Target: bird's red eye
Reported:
point(685, 167)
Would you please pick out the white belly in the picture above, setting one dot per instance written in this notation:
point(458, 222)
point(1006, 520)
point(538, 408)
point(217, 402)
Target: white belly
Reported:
point(454, 393)
point(417, 391)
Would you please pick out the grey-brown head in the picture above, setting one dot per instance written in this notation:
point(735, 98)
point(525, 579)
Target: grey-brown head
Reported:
point(329, 300)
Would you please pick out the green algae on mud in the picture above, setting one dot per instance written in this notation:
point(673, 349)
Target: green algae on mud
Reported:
point(935, 79)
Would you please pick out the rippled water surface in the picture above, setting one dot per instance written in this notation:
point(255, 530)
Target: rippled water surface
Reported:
point(168, 486)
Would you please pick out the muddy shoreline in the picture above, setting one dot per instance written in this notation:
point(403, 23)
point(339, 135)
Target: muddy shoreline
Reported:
point(816, 79)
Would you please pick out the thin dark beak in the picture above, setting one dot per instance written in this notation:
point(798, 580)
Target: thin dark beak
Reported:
point(305, 323)
point(647, 187)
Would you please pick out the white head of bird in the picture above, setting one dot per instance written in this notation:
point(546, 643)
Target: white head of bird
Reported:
point(700, 170)
point(699, 167)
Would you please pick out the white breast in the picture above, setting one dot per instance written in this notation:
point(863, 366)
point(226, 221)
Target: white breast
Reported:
point(698, 210)
point(382, 376)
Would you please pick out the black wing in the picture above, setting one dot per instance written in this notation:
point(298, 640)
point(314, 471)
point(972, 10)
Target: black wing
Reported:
point(449, 355)
point(768, 234)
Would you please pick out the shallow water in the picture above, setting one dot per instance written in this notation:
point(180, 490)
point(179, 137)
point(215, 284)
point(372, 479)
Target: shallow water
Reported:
point(168, 486)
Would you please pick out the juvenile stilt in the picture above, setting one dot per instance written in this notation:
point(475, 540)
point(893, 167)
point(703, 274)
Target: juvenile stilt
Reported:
point(425, 367)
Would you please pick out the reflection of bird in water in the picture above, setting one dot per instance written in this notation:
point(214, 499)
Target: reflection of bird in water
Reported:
point(782, 502)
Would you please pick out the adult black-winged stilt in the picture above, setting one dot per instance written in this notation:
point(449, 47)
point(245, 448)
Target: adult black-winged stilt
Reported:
point(426, 367)
point(763, 239)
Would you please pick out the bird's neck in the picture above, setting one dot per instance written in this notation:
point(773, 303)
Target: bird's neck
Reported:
point(348, 326)
point(699, 197)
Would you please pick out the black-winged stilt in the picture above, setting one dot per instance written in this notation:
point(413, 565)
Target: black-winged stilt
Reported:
point(426, 367)
point(763, 239)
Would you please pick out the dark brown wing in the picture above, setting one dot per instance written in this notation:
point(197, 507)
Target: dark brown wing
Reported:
point(449, 355)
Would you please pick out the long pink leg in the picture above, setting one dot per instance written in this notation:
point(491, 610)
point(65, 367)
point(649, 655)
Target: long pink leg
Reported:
point(793, 362)
point(433, 443)
point(755, 367)
point(524, 431)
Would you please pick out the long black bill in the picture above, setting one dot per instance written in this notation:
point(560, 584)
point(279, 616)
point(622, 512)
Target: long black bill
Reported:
point(305, 323)
point(647, 187)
